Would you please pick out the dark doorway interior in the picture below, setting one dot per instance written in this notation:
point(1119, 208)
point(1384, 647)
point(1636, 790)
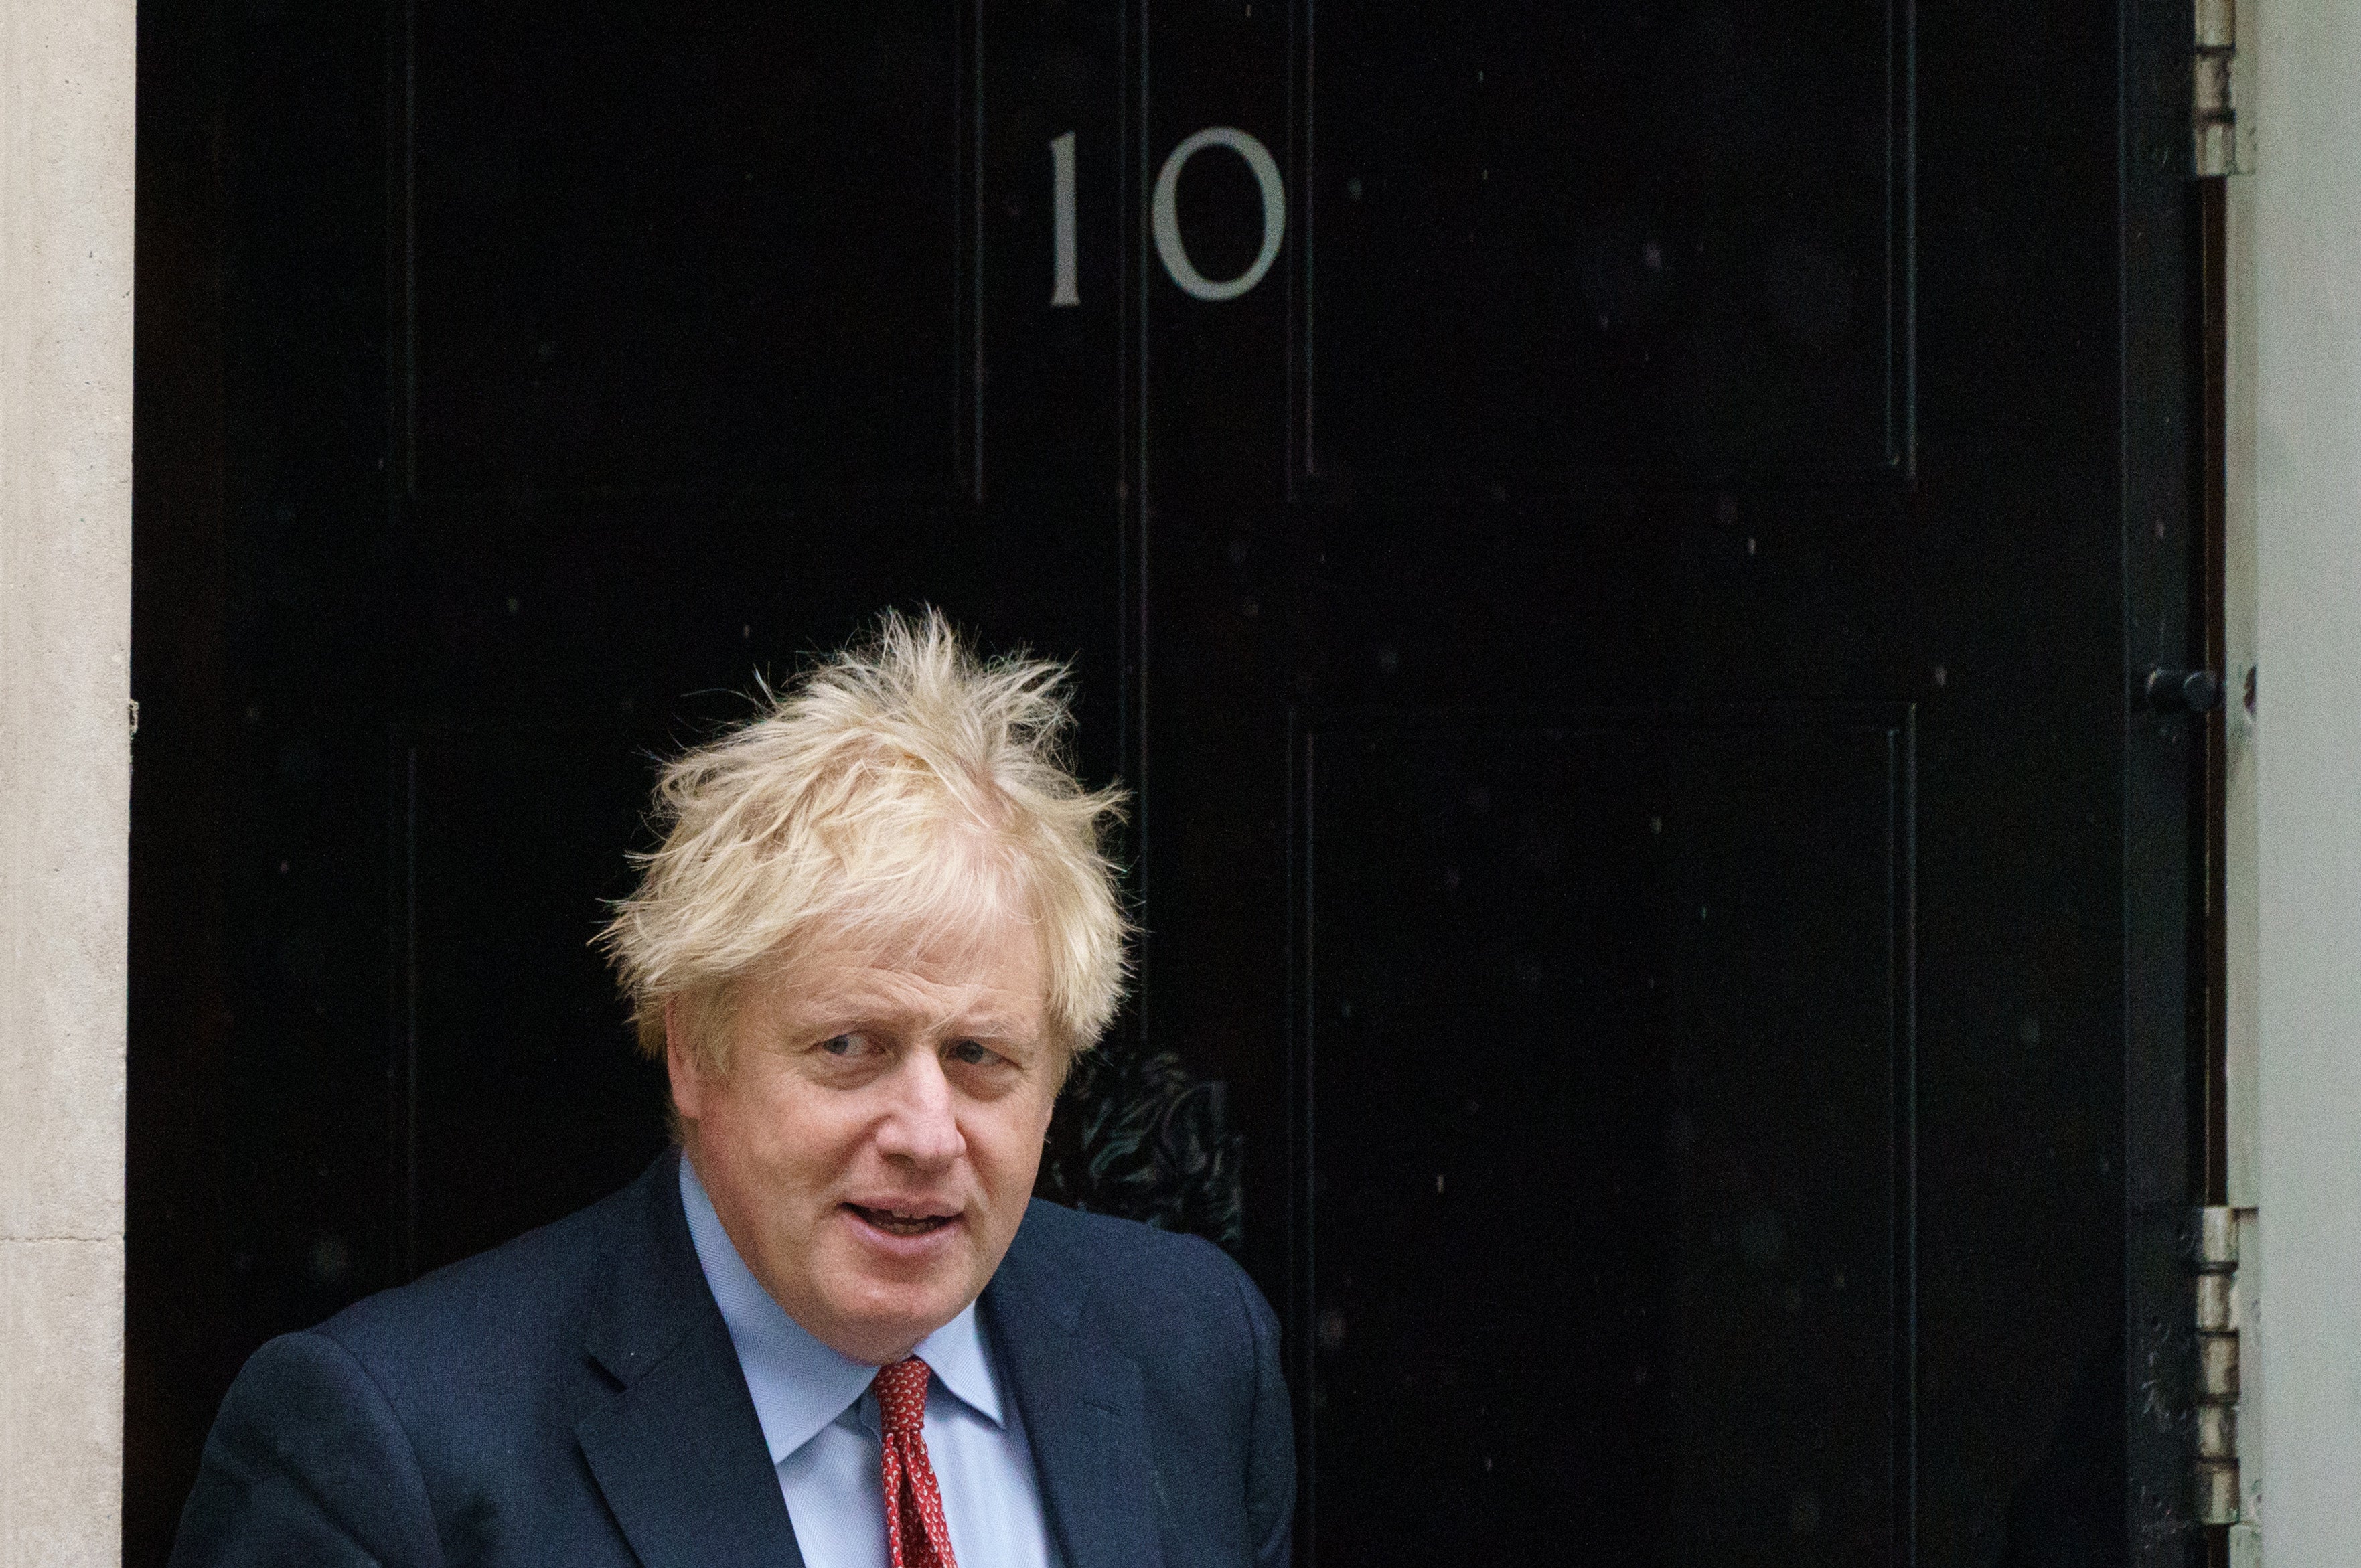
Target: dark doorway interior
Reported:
point(1614, 544)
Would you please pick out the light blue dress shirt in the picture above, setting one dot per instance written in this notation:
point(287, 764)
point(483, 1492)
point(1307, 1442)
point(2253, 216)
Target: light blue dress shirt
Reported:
point(820, 1422)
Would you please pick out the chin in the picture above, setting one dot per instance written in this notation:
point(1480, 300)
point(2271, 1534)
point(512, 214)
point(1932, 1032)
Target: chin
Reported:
point(878, 1338)
point(882, 1308)
point(921, 1311)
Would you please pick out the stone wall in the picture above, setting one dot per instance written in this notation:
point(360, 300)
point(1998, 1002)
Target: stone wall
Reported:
point(2307, 253)
point(66, 89)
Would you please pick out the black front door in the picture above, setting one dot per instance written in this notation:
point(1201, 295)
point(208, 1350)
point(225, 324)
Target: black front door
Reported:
point(1613, 545)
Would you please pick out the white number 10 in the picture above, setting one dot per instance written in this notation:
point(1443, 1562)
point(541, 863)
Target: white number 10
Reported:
point(1164, 216)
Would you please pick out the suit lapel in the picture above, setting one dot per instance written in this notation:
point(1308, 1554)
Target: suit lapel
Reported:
point(676, 1449)
point(679, 1453)
point(1081, 1402)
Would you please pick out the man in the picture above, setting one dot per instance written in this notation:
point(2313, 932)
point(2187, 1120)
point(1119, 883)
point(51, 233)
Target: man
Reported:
point(832, 1329)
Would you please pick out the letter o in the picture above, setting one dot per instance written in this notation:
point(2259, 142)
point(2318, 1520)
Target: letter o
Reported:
point(1166, 214)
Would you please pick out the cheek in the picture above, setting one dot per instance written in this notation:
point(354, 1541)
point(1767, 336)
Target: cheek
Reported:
point(770, 1127)
point(1008, 1139)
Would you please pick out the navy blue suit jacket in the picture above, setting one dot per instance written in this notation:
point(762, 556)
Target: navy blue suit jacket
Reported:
point(573, 1398)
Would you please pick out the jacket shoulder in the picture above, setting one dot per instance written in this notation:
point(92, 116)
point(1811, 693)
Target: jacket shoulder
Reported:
point(1206, 1348)
point(1165, 1291)
point(510, 1306)
point(1103, 1247)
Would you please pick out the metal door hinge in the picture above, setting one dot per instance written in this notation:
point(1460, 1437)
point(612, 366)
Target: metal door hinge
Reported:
point(2217, 147)
point(2217, 1366)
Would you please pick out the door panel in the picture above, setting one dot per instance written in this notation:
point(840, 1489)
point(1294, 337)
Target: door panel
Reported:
point(1540, 242)
point(1606, 1069)
point(1984, 587)
point(507, 1117)
point(658, 250)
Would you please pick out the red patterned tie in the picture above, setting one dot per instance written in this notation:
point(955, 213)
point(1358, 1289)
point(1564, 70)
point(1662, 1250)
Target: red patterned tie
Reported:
point(916, 1535)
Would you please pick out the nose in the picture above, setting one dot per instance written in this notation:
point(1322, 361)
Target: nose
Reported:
point(921, 1123)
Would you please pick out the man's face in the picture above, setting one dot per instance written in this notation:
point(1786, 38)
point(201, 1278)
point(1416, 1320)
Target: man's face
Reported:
point(873, 1143)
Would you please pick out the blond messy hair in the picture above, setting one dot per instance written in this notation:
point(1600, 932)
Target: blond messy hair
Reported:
point(898, 793)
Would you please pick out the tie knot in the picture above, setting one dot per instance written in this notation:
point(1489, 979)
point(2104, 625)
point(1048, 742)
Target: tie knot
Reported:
point(902, 1396)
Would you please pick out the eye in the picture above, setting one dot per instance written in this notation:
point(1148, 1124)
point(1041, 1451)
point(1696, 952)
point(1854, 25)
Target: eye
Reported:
point(845, 1045)
point(973, 1054)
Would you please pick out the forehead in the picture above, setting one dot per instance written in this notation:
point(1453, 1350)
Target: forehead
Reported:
point(994, 973)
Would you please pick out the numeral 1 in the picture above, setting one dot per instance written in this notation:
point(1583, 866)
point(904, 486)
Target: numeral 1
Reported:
point(1064, 288)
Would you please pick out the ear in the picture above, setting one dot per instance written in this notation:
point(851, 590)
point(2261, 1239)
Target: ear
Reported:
point(1056, 1086)
point(681, 1065)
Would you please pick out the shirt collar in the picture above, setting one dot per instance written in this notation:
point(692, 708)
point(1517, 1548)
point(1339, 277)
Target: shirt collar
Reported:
point(799, 1385)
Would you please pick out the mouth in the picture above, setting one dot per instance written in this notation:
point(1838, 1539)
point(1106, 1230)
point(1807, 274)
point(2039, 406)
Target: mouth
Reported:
point(901, 1222)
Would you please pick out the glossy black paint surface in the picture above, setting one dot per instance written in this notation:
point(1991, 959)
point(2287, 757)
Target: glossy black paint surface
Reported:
point(518, 380)
point(1608, 1083)
point(657, 250)
point(1623, 237)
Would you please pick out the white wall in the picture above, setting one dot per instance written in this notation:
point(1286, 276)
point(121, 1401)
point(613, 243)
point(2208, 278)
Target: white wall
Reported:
point(2306, 57)
point(2240, 851)
point(66, 81)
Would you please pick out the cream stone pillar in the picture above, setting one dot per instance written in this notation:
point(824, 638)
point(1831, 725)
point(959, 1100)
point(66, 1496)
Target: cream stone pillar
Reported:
point(66, 86)
point(2306, 244)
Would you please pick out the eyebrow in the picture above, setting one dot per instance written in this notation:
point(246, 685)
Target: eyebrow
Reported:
point(994, 1026)
point(874, 1008)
